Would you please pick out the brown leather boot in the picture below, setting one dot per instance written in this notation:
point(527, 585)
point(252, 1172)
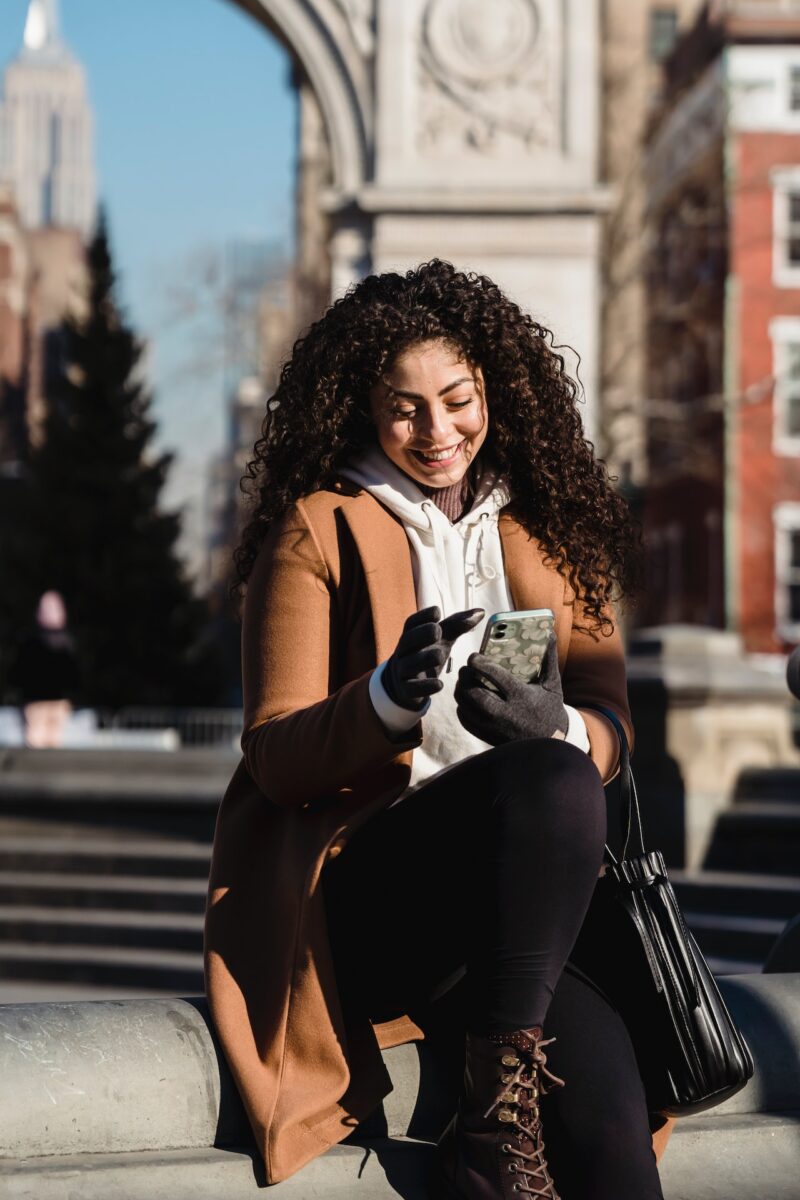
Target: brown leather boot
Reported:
point(493, 1147)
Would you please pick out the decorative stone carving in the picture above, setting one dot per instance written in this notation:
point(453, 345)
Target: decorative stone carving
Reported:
point(490, 76)
point(360, 16)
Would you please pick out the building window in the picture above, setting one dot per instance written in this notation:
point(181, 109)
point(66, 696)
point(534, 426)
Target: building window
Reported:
point(791, 391)
point(785, 335)
point(786, 228)
point(794, 88)
point(794, 580)
point(787, 571)
point(793, 229)
point(663, 32)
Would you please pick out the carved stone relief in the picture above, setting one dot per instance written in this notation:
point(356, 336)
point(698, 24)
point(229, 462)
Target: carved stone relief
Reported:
point(490, 76)
point(360, 16)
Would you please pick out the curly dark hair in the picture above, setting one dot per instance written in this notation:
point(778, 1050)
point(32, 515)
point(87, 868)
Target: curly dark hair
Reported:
point(319, 415)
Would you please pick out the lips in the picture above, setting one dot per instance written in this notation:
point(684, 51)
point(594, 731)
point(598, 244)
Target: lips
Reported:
point(439, 462)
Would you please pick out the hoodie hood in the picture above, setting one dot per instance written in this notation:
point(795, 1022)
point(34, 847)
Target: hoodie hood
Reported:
point(453, 563)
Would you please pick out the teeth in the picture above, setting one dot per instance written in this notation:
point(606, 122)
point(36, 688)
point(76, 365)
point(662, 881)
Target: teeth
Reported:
point(442, 454)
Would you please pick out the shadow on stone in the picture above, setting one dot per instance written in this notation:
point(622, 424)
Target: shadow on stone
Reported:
point(784, 957)
point(662, 794)
point(233, 1130)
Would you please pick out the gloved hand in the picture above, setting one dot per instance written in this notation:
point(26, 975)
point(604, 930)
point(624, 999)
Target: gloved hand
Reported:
point(516, 709)
point(412, 672)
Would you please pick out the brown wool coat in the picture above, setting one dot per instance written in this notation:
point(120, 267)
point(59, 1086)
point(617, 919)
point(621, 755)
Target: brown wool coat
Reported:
point(329, 593)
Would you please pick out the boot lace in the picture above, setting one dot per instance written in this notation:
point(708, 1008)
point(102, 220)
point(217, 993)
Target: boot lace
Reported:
point(524, 1079)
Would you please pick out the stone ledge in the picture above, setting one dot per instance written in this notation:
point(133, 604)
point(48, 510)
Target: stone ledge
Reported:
point(707, 1159)
point(722, 1157)
point(344, 1173)
point(132, 1100)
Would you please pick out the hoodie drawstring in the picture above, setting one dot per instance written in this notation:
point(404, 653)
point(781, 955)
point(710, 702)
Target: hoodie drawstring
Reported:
point(485, 569)
point(478, 568)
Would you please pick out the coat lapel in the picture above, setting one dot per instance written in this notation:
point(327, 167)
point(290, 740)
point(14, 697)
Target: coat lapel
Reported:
point(529, 582)
point(386, 558)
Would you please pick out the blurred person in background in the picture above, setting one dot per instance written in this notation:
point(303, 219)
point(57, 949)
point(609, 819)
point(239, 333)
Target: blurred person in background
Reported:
point(44, 672)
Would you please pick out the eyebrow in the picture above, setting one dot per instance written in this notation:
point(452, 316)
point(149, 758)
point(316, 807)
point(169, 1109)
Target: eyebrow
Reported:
point(416, 395)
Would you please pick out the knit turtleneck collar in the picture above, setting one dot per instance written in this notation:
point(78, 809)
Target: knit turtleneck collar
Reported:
point(454, 500)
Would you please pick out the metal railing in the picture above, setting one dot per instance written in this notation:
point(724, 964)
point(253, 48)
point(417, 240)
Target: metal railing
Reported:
point(194, 726)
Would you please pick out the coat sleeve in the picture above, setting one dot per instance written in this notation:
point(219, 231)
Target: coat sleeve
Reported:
point(302, 741)
point(594, 673)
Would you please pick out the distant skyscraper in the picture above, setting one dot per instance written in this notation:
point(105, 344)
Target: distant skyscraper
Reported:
point(46, 128)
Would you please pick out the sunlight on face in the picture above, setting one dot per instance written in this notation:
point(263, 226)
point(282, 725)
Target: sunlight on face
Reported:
point(430, 413)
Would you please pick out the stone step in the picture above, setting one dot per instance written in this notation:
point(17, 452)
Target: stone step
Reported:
point(139, 805)
point(768, 784)
point(763, 837)
point(150, 815)
point(708, 1158)
point(102, 854)
point(731, 966)
point(101, 927)
point(44, 991)
point(186, 763)
point(88, 788)
point(721, 935)
point(179, 971)
point(737, 892)
point(131, 892)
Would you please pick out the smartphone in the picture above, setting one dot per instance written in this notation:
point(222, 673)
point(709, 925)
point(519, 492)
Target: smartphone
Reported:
point(518, 640)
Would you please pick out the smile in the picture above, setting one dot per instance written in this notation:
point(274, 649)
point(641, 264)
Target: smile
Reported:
point(441, 458)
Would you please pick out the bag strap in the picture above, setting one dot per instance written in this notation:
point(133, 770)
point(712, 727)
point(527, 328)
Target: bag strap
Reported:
point(627, 787)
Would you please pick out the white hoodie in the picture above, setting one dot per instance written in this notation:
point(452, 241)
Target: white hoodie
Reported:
point(456, 566)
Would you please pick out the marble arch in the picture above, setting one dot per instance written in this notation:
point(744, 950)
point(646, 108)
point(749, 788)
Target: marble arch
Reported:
point(457, 128)
point(320, 37)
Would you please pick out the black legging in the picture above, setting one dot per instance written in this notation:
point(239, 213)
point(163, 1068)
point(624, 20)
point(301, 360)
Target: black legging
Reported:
point(492, 865)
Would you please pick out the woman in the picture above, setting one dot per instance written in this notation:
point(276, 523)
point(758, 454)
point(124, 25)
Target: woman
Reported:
point(405, 813)
point(45, 673)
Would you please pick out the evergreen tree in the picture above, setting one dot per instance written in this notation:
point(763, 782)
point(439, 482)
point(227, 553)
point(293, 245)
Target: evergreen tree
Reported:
point(101, 539)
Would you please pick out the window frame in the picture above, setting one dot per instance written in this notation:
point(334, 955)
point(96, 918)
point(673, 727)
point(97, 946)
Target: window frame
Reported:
point(786, 521)
point(793, 87)
point(660, 12)
point(785, 183)
point(784, 334)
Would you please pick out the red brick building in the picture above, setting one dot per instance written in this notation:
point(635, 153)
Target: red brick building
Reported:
point(722, 513)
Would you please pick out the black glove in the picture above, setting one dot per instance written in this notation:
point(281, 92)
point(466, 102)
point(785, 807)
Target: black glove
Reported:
point(511, 709)
point(412, 673)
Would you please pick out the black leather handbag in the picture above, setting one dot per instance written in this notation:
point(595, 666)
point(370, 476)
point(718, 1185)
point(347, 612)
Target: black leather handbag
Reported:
point(635, 945)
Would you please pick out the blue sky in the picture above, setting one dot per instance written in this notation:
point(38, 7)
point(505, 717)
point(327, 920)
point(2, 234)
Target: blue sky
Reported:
point(195, 139)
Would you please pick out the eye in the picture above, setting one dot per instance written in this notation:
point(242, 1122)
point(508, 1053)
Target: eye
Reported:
point(461, 404)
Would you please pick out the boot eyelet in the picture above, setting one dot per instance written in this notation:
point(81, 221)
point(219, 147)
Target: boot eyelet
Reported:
point(506, 1147)
point(512, 1168)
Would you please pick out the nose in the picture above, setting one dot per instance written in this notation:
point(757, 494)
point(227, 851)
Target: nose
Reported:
point(434, 426)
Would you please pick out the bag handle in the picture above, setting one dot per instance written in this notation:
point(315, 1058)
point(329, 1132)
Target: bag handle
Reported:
point(627, 787)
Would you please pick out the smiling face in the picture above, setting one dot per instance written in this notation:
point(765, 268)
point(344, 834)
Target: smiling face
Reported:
point(430, 413)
